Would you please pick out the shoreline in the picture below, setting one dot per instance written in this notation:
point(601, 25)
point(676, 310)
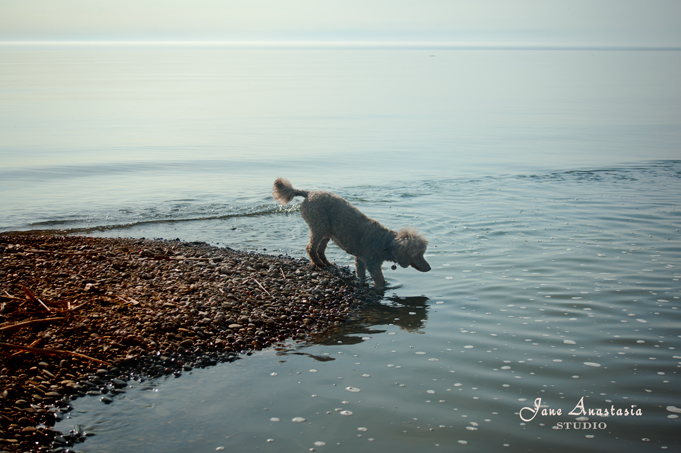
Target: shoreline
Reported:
point(83, 315)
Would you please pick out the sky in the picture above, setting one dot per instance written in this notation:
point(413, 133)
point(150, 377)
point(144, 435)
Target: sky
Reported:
point(541, 22)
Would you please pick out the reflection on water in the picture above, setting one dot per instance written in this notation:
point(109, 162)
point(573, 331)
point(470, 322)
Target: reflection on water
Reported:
point(408, 313)
point(391, 379)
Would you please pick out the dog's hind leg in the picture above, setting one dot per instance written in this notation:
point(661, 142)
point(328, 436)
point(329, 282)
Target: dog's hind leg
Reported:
point(360, 269)
point(320, 252)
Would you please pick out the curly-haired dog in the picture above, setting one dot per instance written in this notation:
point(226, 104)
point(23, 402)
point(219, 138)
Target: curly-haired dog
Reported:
point(331, 217)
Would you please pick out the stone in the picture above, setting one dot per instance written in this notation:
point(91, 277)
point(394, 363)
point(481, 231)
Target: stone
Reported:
point(118, 383)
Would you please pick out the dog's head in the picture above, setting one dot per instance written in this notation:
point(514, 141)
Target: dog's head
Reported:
point(410, 249)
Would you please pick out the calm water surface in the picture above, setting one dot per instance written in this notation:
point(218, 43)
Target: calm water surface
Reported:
point(546, 182)
point(560, 286)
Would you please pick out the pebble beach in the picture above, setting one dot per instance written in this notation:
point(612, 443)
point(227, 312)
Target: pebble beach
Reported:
point(83, 316)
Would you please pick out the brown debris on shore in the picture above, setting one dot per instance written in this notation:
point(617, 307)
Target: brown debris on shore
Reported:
point(81, 315)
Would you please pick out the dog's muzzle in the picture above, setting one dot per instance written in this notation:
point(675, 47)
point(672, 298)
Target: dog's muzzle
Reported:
point(420, 264)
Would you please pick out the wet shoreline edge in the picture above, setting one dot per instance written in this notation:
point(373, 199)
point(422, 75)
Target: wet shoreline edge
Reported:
point(84, 315)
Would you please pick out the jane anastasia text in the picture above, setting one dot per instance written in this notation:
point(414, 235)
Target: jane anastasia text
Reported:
point(528, 413)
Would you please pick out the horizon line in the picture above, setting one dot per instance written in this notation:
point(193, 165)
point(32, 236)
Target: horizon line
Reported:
point(349, 44)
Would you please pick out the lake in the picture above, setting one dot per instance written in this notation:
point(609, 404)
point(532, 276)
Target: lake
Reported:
point(547, 182)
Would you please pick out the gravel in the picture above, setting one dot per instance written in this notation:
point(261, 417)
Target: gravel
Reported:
point(83, 316)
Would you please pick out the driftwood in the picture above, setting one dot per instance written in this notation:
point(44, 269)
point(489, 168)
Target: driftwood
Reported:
point(128, 300)
point(59, 252)
point(9, 296)
point(35, 299)
point(32, 345)
point(173, 258)
point(44, 304)
point(263, 288)
point(76, 307)
point(52, 352)
point(32, 322)
point(148, 256)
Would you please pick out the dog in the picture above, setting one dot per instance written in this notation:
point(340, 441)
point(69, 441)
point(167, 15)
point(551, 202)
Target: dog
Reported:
point(332, 217)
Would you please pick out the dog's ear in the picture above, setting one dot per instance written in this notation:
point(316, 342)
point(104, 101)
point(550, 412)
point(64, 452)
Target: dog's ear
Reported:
point(412, 241)
point(400, 254)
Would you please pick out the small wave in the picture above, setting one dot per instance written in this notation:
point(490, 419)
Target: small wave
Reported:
point(623, 173)
point(262, 210)
point(54, 223)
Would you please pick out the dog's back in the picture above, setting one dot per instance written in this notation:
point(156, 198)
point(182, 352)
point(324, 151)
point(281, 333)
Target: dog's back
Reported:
point(332, 216)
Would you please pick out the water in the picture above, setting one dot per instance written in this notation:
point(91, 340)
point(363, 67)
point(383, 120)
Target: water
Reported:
point(546, 182)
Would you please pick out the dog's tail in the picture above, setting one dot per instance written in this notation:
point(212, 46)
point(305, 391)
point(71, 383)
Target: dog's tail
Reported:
point(284, 192)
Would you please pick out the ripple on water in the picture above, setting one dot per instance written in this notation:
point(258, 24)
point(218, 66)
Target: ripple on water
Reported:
point(609, 335)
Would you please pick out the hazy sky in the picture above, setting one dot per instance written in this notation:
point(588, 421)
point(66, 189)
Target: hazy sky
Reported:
point(565, 22)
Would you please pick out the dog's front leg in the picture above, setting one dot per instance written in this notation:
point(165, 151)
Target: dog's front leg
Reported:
point(376, 273)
